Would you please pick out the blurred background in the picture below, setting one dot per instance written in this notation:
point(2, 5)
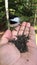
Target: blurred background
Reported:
point(25, 9)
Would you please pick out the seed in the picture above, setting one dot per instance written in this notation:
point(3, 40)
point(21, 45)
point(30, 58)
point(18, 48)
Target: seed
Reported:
point(21, 43)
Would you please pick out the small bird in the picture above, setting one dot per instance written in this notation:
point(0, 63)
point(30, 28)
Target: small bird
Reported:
point(14, 19)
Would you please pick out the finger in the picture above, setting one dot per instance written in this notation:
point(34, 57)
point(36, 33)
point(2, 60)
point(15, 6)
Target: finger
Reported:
point(32, 34)
point(22, 28)
point(15, 32)
point(5, 38)
point(26, 31)
point(18, 30)
point(32, 40)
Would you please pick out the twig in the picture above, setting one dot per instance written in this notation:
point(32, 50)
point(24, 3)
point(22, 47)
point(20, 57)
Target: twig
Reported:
point(7, 13)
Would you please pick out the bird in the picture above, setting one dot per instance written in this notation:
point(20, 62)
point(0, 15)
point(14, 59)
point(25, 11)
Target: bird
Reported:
point(14, 19)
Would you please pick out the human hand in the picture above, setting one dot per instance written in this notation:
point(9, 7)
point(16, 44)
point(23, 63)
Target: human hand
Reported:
point(10, 55)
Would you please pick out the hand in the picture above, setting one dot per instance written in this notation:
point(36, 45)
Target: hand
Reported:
point(10, 55)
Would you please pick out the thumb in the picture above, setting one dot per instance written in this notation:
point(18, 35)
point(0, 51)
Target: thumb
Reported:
point(5, 38)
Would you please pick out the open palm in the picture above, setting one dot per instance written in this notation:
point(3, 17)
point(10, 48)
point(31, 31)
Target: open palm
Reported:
point(10, 55)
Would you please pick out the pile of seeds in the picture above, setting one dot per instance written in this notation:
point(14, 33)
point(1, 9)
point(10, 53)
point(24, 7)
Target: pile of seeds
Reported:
point(21, 43)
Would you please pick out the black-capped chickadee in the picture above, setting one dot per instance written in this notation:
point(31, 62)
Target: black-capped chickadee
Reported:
point(14, 19)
